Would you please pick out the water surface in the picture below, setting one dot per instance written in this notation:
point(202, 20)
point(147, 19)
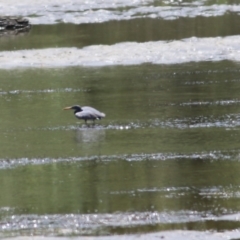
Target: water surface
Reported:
point(166, 156)
point(164, 163)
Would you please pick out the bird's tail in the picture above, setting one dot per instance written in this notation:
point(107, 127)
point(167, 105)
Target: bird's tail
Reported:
point(103, 115)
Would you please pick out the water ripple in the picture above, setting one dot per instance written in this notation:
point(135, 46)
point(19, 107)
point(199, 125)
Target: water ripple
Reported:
point(209, 103)
point(213, 192)
point(100, 224)
point(60, 90)
point(226, 121)
point(233, 155)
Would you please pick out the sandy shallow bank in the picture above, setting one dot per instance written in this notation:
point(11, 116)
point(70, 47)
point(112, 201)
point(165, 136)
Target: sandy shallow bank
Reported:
point(128, 53)
point(168, 235)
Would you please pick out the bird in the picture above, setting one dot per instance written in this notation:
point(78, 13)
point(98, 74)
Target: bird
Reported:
point(86, 113)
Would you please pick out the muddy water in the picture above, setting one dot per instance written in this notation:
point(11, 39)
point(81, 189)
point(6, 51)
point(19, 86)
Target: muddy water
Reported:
point(165, 158)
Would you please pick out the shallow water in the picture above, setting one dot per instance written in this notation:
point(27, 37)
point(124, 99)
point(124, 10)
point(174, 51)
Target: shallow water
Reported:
point(165, 158)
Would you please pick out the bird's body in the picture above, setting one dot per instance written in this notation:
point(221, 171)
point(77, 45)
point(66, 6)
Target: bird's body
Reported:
point(86, 113)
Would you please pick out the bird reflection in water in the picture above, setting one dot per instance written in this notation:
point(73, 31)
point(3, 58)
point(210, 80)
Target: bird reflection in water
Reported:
point(90, 138)
point(90, 135)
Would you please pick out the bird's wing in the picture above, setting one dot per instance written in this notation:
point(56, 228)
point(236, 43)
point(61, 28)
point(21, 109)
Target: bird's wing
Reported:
point(88, 108)
point(86, 115)
point(94, 111)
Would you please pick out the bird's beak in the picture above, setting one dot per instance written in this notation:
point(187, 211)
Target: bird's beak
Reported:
point(67, 108)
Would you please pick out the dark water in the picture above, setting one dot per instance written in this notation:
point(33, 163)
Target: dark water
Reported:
point(166, 157)
point(112, 32)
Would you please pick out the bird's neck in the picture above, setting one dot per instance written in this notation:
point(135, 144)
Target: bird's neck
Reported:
point(77, 110)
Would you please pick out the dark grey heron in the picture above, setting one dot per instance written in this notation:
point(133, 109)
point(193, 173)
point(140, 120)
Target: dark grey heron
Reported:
point(86, 113)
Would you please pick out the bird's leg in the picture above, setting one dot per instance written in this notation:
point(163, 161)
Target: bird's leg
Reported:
point(86, 122)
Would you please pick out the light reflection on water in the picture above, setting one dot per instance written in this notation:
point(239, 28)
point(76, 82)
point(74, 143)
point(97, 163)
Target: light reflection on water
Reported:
point(167, 155)
point(89, 135)
point(102, 223)
point(233, 155)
